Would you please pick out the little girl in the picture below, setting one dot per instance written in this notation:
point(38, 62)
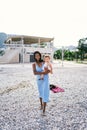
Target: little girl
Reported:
point(47, 65)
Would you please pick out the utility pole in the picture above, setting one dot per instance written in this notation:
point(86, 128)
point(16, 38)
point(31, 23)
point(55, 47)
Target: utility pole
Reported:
point(22, 41)
point(62, 55)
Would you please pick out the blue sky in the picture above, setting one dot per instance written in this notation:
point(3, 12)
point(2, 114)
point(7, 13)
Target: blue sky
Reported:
point(65, 20)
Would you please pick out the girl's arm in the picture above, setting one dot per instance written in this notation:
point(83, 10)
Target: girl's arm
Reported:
point(51, 69)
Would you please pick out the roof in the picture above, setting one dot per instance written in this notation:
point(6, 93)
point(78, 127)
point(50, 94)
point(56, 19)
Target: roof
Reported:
point(30, 39)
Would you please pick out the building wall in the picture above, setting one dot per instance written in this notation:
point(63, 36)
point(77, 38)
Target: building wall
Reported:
point(18, 54)
point(15, 59)
point(26, 58)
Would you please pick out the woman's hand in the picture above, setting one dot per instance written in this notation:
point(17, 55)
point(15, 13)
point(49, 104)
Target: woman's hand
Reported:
point(39, 73)
point(46, 72)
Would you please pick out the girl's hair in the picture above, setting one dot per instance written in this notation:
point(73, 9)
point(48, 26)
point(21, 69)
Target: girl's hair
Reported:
point(47, 56)
point(37, 52)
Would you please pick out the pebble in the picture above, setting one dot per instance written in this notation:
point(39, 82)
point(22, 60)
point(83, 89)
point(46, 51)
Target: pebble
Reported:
point(19, 103)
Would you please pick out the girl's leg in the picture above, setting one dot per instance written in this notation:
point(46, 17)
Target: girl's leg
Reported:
point(41, 76)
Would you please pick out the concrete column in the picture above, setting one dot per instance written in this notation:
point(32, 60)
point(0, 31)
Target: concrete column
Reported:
point(51, 47)
point(10, 41)
point(39, 41)
point(22, 42)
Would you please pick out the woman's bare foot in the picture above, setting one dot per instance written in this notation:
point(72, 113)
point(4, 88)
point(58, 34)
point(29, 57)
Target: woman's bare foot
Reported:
point(41, 108)
point(43, 114)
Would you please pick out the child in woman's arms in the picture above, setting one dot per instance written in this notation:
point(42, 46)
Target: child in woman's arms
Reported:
point(47, 65)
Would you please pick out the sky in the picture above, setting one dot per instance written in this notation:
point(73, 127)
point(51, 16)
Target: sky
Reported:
point(63, 20)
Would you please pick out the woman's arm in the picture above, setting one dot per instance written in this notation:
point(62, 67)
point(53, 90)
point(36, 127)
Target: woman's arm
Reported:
point(34, 70)
point(38, 73)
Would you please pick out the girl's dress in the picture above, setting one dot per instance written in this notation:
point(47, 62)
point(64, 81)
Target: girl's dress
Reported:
point(43, 85)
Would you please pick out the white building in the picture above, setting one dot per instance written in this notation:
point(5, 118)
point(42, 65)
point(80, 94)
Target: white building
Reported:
point(20, 48)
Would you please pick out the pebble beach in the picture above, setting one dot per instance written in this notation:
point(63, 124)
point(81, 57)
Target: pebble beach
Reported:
point(19, 102)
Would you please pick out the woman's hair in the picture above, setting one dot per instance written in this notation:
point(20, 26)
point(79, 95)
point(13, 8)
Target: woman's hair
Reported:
point(37, 52)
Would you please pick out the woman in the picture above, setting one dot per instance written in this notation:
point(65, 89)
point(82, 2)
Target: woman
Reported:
point(43, 85)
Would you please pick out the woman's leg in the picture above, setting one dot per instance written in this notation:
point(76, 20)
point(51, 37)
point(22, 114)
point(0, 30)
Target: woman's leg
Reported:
point(41, 104)
point(44, 107)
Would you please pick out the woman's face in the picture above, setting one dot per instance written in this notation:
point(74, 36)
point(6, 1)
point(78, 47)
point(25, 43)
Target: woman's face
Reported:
point(37, 56)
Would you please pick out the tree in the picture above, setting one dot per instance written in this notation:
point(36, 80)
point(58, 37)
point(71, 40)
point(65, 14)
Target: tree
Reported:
point(57, 54)
point(82, 46)
point(3, 37)
point(68, 55)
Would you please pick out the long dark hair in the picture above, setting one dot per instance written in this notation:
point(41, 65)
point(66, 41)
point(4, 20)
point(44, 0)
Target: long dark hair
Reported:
point(37, 52)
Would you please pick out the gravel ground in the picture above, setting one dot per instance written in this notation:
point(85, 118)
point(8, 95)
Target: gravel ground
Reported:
point(19, 103)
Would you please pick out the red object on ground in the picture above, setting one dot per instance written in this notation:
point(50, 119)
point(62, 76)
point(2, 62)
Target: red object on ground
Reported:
point(57, 89)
